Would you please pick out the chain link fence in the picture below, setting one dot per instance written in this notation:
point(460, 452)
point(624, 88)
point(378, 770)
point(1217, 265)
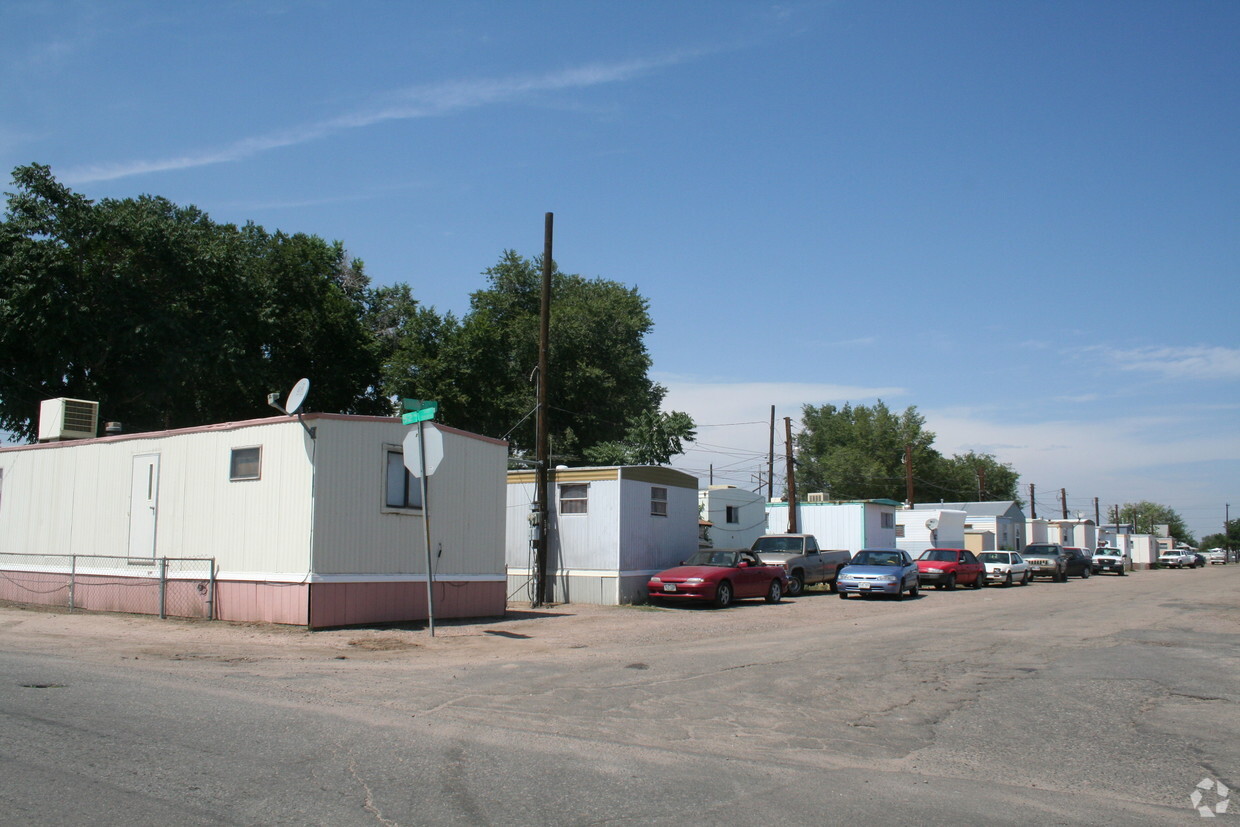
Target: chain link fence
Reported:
point(164, 586)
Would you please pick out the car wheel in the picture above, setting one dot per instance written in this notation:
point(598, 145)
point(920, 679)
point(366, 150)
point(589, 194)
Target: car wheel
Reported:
point(834, 585)
point(1122, 573)
point(1085, 574)
point(776, 592)
point(1007, 583)
point(915, 589)
point(1024, 581)
point(900, 593)
point(796, 585)
point(843, 595)
point(979, 580)
point(723, 595)
point(950, 585)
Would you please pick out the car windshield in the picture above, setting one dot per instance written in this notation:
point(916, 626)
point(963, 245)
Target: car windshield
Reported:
point(707, 557)
point(993, 557)
point(876, 558)
point(938, 555)
point(778, 544)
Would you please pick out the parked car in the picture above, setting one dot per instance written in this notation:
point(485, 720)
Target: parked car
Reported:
point(1177, 559)
point(1110, 559)
point(1005, 567)
point(879, 571)
point(1200, 558)
point(945, 567)
point(1078, 563)
point(805, 563)
point(1046, 560)
point(1217, 555)
point(719, 576)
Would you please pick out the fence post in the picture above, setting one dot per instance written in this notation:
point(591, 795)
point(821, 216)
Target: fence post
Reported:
point(163, 588)
point(211, 593)
point(72, 579)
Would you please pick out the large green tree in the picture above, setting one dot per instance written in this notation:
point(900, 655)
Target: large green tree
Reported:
point(1146, 516)
point(483, 367)
point(859, 452)
point(167, 318)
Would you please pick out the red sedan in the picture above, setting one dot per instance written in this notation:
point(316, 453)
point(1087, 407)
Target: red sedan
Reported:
point(945, 567)
point(720, 576)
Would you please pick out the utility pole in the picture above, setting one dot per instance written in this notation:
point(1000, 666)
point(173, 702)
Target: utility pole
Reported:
point(1063, 499)
point(908, 474)
point(770, 462)
point(1033, 504)
point(792, 480)
point(1097, 516)
point(542, 453)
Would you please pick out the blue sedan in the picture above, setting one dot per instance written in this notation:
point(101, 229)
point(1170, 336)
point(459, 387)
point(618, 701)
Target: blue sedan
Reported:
point(879, 571)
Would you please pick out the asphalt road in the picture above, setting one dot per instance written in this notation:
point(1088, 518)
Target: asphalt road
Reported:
point(1100, 701)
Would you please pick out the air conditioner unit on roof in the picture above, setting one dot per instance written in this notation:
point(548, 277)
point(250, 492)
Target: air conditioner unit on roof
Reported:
point(815, 497)
point(62, 418)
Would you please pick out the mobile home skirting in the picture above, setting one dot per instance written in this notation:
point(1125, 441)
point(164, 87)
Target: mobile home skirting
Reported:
point(600, 588)
point(316, 604)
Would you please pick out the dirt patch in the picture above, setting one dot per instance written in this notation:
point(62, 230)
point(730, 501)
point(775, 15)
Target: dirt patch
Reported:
point(382, 644)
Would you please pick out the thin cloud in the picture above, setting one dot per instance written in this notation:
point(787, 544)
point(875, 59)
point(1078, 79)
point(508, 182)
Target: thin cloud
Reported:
point(426, 101)
point(1179, 362)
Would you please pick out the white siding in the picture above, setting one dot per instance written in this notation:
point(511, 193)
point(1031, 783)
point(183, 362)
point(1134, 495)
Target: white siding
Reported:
point(751, 512)
point(73, 498)
point(917, 537)
point(356, 533)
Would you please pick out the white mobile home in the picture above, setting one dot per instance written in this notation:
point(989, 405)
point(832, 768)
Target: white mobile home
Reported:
point(850, 525)
point(318, 525)
point(737, 517)
point(918, 529)
point(610, 529)
point(1004, 517)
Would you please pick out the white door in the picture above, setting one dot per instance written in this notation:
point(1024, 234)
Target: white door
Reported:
point(143, 498)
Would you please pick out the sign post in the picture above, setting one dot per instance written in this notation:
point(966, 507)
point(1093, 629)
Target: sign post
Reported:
point(416, 448)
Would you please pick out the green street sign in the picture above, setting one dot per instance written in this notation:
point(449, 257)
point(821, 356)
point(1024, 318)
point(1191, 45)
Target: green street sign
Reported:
point(419, 410)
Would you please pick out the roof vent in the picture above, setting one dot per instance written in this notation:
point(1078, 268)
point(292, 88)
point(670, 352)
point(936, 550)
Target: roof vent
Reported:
point(61, 419)
point(815, 497)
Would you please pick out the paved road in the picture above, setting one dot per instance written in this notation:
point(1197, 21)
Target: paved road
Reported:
point(1100, 701)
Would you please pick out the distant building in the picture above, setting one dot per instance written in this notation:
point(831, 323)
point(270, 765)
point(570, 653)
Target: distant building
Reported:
point(1003, 517)
point(737, 517)
point(850, 525)
point(611, 528)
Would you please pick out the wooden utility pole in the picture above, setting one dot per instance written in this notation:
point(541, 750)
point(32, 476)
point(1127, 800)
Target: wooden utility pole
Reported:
point(1097, 514)
point(1063, 499)
point(542, 453)
point(792, 479)
point(1033, 504)
point(908, 474)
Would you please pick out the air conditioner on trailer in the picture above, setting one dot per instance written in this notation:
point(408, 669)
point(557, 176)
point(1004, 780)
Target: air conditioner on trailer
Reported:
point(61, 419)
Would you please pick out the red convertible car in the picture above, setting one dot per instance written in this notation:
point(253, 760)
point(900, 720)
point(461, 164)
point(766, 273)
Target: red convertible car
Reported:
point(720, 576)
point(945, 567)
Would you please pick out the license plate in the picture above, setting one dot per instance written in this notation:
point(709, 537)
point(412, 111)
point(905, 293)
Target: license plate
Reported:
point(669, 587)
point(863, 585)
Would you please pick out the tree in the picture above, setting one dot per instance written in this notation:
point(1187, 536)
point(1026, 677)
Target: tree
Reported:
point(858, 452)
point(652, 438)
point(167, 318)
point(483, 368)
point(1146, 516)
point(970, 477)
point(1230, 539)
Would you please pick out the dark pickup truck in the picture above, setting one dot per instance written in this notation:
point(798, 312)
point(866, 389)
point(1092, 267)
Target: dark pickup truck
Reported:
point(806, 564)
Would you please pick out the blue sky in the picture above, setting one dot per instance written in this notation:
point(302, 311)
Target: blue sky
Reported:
point(1021, 218)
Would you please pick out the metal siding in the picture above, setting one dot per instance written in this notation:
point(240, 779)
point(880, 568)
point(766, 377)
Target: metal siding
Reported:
point(354, 534)
point(74, 499)
point(752, 524)
point(653, 543)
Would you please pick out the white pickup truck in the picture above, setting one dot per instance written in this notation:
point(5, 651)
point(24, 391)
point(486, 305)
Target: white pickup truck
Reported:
point(806, 564)
point(1177, 559)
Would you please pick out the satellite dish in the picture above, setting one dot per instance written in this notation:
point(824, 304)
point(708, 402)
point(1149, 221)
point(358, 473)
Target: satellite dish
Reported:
point(297, 396)
point(932, 523)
